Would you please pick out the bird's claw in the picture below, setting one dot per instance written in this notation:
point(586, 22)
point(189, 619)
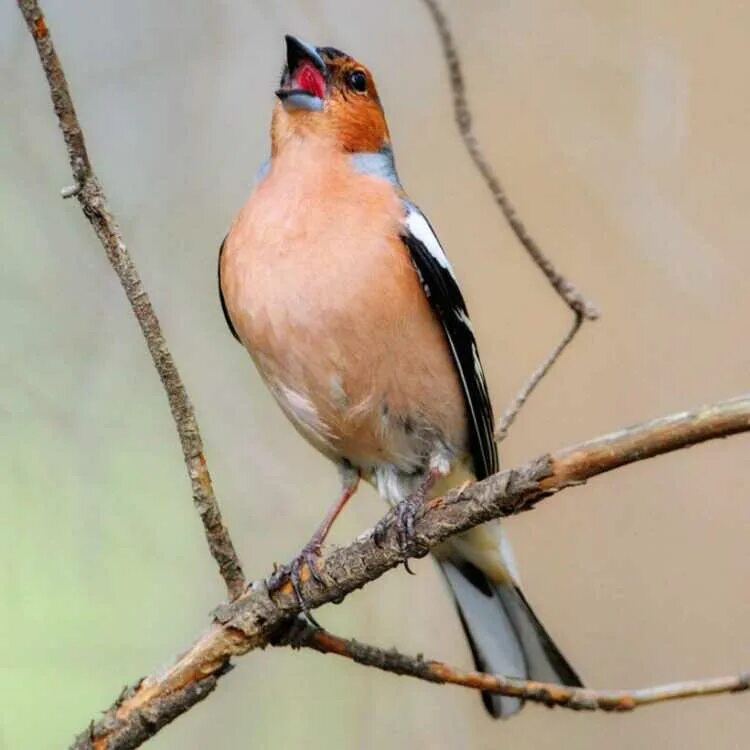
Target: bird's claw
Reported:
point(308, 555)
point(405, 513)
point(378, 533)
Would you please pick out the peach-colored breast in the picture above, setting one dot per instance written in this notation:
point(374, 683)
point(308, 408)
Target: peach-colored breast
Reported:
point(323, 295)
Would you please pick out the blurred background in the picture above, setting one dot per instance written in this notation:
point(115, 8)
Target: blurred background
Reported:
point(620, 130)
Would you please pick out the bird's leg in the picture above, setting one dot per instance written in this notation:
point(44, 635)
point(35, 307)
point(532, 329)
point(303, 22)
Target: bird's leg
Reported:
point(310, 553)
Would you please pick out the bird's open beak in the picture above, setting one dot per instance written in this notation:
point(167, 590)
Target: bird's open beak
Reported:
point(305, 79)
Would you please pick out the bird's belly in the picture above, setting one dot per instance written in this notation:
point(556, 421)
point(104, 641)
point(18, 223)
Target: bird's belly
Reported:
point(347, 383)
point(359, 366)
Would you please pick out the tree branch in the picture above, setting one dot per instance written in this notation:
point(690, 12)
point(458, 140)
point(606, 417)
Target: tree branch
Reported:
point(256, 619)
point(550, 694)
point(94, 204)
point(569, 294)
point(582, 308)
point(511, 412)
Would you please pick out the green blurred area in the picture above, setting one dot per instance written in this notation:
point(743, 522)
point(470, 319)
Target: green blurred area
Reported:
point(620, 130)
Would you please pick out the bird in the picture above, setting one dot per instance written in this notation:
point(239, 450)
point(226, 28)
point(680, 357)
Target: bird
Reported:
point(338, 287)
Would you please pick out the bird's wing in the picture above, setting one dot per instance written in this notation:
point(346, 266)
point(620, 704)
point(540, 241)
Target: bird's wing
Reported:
point(221, 294)
point(444, 295)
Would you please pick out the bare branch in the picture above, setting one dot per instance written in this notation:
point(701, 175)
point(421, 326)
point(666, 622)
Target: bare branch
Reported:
point(511, 412)
point(550, 694)
point(143, 724)
point(582, 308)
point(94, 204)
point(255, 619)
point(571, 296)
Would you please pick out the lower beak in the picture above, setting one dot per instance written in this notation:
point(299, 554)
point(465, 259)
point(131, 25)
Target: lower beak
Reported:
point(300, 99)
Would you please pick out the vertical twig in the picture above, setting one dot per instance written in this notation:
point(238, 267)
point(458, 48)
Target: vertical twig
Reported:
point(94, 204)
point(582, 308)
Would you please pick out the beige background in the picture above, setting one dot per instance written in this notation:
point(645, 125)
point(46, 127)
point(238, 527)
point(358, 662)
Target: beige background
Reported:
point(620, 130)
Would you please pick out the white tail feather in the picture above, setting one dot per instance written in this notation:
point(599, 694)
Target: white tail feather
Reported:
point(505, 635)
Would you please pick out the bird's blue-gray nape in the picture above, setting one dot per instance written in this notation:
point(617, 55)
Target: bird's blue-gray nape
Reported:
point(377, 164)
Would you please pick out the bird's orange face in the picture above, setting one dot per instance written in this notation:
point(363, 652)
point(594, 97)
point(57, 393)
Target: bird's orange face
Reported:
point(325, 92)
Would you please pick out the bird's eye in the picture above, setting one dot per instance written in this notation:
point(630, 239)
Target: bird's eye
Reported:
point(357, 80)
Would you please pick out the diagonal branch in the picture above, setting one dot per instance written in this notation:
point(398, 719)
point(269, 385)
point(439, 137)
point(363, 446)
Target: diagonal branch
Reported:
point(550, 694)
point(255, 619)
point(94, 204)
point(582, 308)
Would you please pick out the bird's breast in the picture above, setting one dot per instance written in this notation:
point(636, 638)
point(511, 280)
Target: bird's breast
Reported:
point(323, 295)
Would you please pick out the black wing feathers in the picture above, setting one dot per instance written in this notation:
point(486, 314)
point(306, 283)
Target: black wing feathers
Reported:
point(221, 294)
point(447, 301)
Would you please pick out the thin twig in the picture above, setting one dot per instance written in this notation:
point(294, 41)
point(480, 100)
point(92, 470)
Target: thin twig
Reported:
point(94, 204)
point(255, 619)
point(583, 308)
point(511, 412)
point(550, 694)
point(572, 297)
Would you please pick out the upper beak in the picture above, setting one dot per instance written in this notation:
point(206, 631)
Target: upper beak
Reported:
point(297, 52)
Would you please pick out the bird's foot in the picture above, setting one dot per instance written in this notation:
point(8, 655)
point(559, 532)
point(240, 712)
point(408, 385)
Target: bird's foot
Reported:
point(378, 532)
point(405, 513)
point(292, 572)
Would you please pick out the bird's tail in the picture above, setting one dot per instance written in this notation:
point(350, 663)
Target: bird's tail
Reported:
point(505, 635)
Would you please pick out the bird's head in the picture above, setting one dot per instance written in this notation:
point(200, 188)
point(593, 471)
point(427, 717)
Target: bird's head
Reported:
point(325, 92)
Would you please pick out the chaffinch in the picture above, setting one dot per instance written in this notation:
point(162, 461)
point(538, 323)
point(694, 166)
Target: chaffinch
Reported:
point(339, 289)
